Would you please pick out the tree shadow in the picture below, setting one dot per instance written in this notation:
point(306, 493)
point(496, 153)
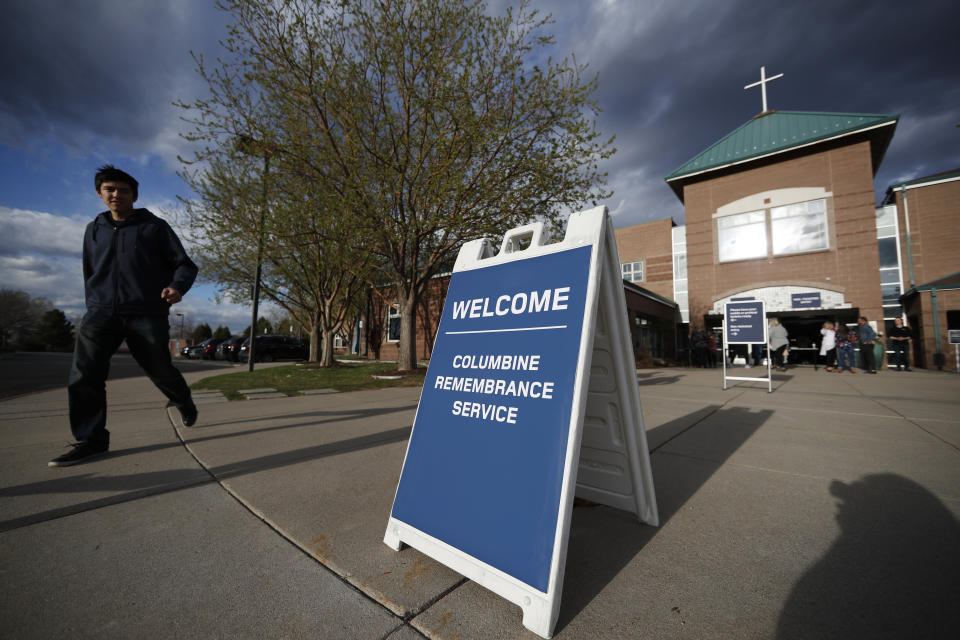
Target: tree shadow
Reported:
point(656, 378)
point(894, 572)
point(604, 540)
point(129, 487)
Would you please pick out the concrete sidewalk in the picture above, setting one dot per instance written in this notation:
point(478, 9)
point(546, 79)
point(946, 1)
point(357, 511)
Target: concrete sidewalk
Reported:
point(827, 509)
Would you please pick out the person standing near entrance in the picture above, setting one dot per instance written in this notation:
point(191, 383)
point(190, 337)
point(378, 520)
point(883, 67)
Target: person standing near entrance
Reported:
point(901, 336)
point(134, 268)
point(779, 340)
point(845, 353)
point(828, 346)
point(866, 339)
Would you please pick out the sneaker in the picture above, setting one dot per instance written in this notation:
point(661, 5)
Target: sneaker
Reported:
point(81, 452)
point(182, 416)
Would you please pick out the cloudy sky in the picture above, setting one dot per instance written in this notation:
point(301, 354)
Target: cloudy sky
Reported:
point(87, 82)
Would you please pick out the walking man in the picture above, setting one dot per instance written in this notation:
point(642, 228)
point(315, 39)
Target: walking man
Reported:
point(134, 268)
point(900, 336)
point(866, 338)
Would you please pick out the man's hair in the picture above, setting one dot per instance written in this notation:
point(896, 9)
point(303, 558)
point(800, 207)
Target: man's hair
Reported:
point(864, 318)
point(109, 173)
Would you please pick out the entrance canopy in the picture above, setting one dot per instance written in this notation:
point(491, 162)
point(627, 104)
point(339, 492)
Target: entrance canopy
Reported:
point(790, 297)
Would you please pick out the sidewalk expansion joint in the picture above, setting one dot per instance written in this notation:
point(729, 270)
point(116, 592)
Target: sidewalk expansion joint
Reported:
point(695, 423)
point(894, 411)
point(291, 541)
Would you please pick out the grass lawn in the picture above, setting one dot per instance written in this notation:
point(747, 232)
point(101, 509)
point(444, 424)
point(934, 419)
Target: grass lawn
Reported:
point(294, 378)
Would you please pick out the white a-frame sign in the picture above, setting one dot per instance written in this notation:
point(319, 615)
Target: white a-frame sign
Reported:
point(531, 397)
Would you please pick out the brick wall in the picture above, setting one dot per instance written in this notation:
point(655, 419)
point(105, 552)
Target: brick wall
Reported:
point(849, 265)
point(934, 231)
point(651, 242)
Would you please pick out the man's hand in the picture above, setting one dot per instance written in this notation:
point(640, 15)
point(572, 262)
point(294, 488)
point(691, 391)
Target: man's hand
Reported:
point(171, 295)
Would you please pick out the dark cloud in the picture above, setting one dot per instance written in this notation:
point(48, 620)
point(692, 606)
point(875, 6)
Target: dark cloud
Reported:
point(102, 72)
point(672, 78)
point(99, 70)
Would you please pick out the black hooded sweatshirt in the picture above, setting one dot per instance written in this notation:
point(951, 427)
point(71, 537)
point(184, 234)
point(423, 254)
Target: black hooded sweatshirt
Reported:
point(126, 264)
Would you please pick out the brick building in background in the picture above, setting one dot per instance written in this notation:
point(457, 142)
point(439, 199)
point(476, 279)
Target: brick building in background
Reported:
point(782, 210)
point(926, 220)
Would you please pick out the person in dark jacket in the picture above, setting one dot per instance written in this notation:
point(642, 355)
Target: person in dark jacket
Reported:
point(134, 268)
point(866, 337)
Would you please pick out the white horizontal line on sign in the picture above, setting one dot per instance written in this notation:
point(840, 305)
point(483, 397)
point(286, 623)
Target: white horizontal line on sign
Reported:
point(559, 326)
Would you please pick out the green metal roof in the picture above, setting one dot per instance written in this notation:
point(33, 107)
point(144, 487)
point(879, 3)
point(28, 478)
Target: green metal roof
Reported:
point(778, 131)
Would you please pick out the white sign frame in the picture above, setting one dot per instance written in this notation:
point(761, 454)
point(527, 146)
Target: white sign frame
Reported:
point(766, 341)
point(605, 377)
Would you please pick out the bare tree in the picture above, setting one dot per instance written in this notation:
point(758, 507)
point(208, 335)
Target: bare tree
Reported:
point(427, 123)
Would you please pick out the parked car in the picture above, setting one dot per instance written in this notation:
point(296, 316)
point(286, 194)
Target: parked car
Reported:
point(209, 350)
point(229, 349)
point(202, 349)
point(270, 348)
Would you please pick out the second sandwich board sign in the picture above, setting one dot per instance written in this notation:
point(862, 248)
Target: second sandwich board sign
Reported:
point(530, 398)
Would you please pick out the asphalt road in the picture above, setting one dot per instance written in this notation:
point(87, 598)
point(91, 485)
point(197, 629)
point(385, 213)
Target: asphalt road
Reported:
point(27, 372)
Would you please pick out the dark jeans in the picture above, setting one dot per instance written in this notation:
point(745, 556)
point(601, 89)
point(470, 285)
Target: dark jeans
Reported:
point(901, 359)
point(778, 356)
point(867, 361)
point(831, 357)
point(756, 352)
point(98, 338)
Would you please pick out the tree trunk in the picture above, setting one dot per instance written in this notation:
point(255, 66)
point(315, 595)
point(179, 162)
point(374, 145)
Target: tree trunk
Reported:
point(407, 359)
point(326, 358)
point(314, 337)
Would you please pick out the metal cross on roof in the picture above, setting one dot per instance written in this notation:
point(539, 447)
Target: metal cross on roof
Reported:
point(763, 85)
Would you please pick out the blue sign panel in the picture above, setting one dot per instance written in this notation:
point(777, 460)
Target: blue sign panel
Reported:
point(742, 299)
point(805, 300)
point(485, 462)
point(744, 323)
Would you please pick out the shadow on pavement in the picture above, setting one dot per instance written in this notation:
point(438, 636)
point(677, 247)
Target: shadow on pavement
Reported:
point(894, 572)
point(604, 540)
point(141, 485)
point(26, 372)
point(648, 379)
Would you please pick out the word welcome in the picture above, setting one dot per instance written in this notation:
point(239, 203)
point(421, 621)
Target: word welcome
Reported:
point(519, 303)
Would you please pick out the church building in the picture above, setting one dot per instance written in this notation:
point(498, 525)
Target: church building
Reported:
point(782, 210)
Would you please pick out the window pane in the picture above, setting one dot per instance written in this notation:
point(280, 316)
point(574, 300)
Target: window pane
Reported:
point(742, 242)
point(892, 311)
point(741, 218)
point(807, 232)
point(393, 329)
point(680, 266)
point(889, 276)
point(885, 216)
point(885, 232)
point(890, 291)
point(888, 252)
